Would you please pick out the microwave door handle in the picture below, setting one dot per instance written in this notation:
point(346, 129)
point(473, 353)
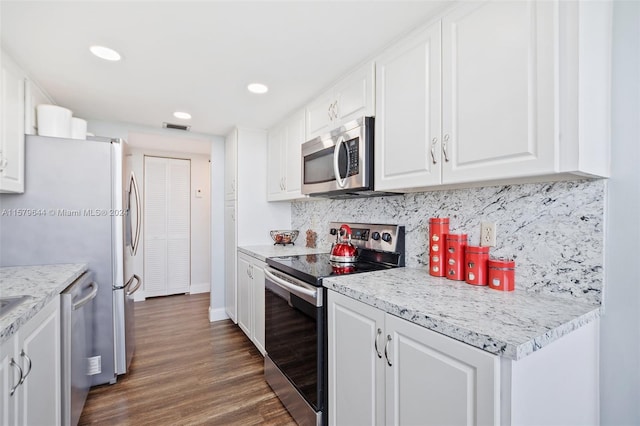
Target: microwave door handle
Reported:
point(336, 167)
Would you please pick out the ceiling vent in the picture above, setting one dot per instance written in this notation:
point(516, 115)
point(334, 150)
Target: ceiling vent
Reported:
point(176, 126)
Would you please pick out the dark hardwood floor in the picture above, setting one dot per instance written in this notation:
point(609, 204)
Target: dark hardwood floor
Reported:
point(187, 371)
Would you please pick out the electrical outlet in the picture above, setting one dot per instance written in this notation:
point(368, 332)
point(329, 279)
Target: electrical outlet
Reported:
point(488, 234)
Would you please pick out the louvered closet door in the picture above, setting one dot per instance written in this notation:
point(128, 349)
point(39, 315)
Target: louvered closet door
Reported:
point(167, 256)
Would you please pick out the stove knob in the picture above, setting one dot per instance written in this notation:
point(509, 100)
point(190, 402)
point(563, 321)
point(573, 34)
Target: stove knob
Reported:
point(375, 236)
point(386, 237)
point(333, 231)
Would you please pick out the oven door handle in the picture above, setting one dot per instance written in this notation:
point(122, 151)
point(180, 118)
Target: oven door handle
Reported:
point(290, 287)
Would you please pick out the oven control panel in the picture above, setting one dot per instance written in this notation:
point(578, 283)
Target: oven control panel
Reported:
point(378, 237)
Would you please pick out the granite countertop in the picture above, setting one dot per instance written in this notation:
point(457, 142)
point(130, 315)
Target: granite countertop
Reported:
point(265, 251)
point(41, 282)
point(509, 324)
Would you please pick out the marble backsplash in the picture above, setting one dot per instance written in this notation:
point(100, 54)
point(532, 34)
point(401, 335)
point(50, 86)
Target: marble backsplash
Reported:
point(554, 231)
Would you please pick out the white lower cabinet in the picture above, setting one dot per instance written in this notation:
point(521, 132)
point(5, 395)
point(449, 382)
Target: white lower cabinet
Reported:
point(251, 298)
point(30, 364)
point(386, 370)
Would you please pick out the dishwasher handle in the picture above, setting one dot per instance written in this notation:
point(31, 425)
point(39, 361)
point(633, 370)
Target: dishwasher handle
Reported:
point(89, 297)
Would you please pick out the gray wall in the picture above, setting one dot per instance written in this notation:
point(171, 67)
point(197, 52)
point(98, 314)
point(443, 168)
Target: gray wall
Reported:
point(620, 330)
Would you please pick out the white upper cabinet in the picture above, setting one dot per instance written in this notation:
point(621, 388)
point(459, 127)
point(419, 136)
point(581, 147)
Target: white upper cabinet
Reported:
point(408, 121)
point(12, 119)
point(284, 159)
point(496, 92)
point(348, 99)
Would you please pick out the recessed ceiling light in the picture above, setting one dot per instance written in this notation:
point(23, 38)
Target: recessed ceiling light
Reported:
point(182, 115)
point(257, 88)
point(105, 53)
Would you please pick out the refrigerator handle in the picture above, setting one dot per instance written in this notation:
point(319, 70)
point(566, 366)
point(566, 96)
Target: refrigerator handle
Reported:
point(133, 184)
point(133, 290)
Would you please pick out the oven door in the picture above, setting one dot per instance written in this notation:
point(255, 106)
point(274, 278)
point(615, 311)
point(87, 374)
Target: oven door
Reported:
point(339, 161)
point(294, 324)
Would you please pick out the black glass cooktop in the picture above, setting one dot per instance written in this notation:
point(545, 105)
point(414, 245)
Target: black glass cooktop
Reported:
point(311, 268)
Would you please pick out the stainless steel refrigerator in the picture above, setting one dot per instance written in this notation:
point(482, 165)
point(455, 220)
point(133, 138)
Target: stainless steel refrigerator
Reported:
point(78, 207)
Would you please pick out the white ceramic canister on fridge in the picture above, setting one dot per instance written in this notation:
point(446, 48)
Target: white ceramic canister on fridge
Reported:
point(53, 120)
point(78, 128)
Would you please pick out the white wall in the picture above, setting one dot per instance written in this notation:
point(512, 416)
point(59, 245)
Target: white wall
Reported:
point(620, 332)
point(256, 216)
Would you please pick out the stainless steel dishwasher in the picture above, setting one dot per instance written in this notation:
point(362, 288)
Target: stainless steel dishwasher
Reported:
point(77, 343)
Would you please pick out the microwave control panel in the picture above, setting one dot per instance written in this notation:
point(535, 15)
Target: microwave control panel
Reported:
point(354, 158)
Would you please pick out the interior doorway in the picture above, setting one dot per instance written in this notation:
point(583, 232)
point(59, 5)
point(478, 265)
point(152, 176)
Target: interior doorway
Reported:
point(167, 219)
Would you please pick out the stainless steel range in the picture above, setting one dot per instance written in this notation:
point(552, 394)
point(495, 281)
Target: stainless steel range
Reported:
point(295, 315)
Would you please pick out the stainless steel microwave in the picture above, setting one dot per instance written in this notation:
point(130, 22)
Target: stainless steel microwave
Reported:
point(340, 164)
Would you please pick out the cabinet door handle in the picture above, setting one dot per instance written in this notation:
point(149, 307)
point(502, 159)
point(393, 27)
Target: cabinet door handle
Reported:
point(445, 146)
point(333, 110)
point(434, 142)
point(13, 363)
point(24, 355)
point(386, 353)
point(376, 343)
point(284, 183)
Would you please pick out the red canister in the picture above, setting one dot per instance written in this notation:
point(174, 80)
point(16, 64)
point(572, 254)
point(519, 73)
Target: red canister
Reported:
point(455, 246)
point(438, 227)
point(502, 274)
point(476, 260)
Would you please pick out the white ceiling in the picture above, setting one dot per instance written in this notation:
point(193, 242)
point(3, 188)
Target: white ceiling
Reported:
point(198, 56)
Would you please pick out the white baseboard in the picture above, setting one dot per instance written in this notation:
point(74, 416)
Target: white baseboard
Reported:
point(199, 288)
point(139, 296)
point(217, 314)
